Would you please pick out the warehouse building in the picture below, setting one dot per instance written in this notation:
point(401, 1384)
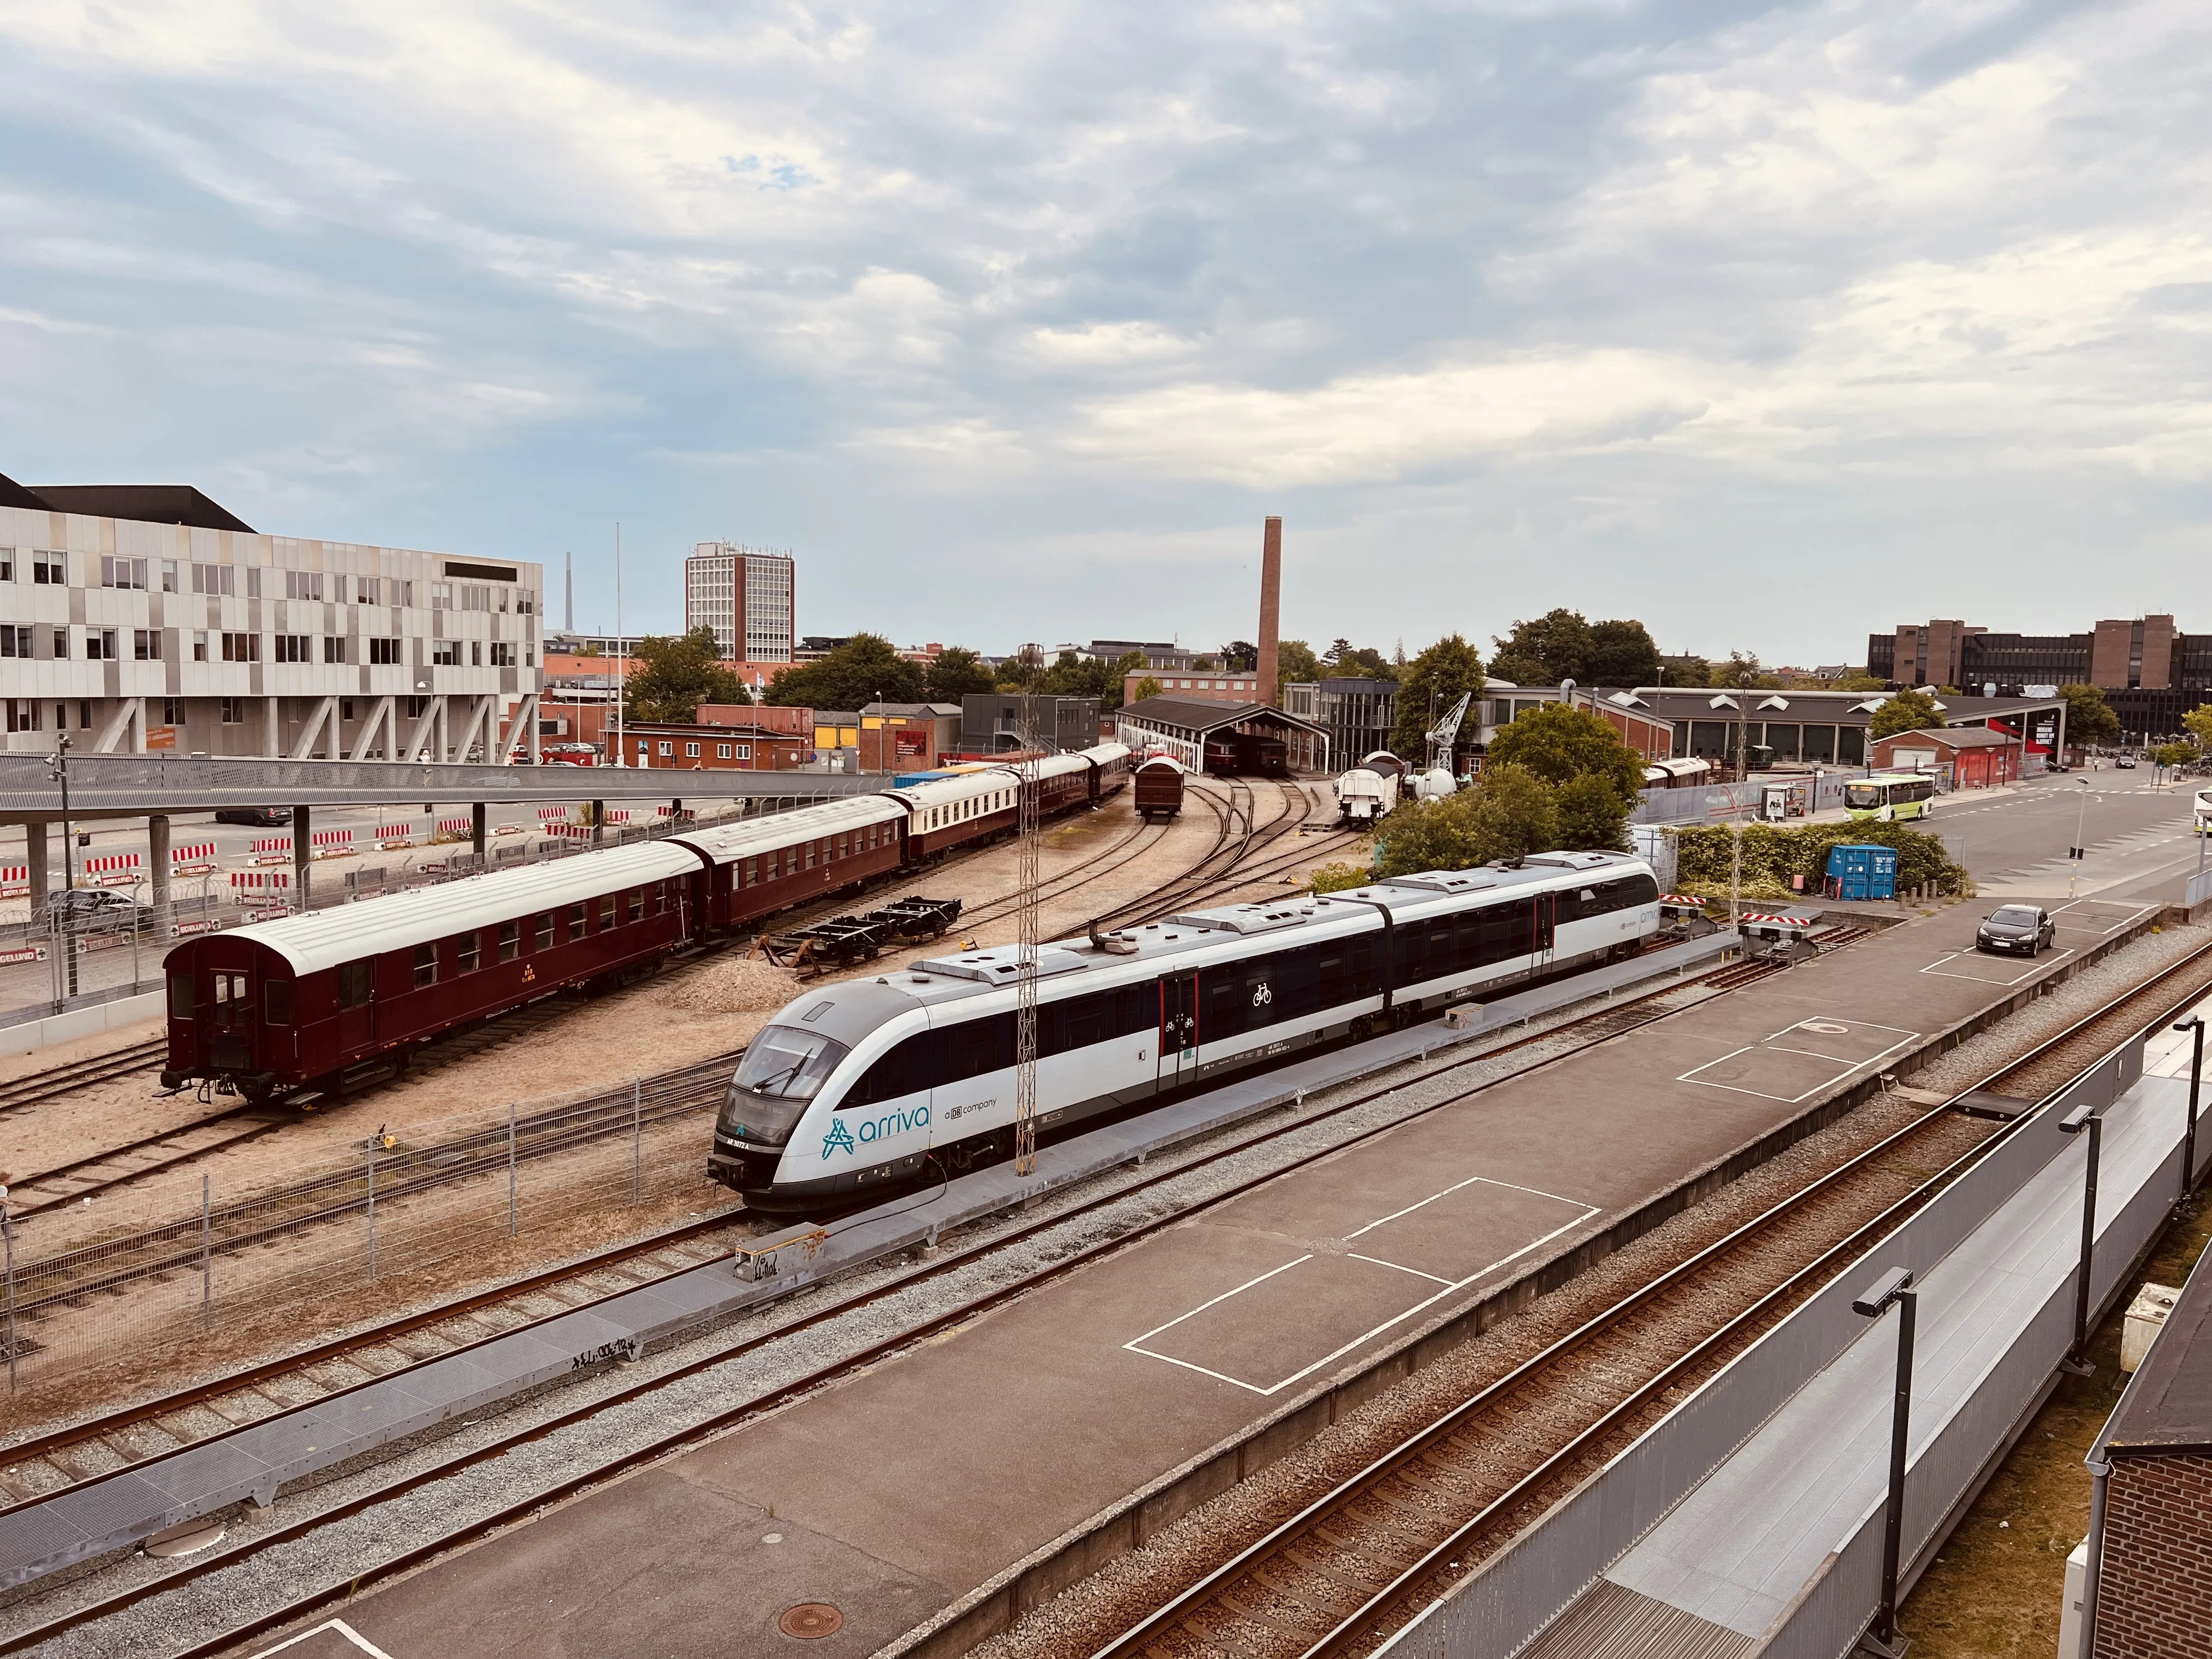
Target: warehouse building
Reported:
point(148, 618)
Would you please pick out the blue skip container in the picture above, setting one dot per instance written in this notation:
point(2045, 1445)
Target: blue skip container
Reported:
point(1861, 872)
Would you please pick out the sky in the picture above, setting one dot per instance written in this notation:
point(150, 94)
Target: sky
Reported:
point(1770, 326)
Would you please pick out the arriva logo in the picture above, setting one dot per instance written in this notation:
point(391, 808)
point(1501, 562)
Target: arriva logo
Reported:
point(840, 1138)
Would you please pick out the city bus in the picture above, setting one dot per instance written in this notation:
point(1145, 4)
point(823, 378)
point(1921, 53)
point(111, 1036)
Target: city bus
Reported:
point(1890, 797)
point(2204, 821)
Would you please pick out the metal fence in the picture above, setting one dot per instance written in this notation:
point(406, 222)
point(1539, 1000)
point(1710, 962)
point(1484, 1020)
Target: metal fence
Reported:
point(170, 1258)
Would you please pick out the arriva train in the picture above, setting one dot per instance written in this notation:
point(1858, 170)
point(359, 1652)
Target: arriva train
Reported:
point(329, 999)
point(879, 1084)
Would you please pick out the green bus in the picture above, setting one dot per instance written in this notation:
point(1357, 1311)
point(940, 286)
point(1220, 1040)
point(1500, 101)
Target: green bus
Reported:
point(1890, 797)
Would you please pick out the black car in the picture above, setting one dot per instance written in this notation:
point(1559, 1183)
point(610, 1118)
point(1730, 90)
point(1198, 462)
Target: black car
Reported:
point(261, 817)
point(2016, 930)
point(92, 910)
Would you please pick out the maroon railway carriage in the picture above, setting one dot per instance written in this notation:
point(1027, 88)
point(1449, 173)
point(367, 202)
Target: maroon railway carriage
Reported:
point(764, 865)
point(949, 812)
point(310, 999)
point(1109, 769)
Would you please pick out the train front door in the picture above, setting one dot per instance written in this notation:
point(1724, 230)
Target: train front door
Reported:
point(1546, 914)
point(230, 1023)
point(1178, 1062)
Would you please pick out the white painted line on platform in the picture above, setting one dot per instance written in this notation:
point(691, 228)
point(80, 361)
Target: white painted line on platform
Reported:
point(341, 1627)
point(1818, 1027)
point(1135, 1343)
point(2134, 913)
point(1939, 968)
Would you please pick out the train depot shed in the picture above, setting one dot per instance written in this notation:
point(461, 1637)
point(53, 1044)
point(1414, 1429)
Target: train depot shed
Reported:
point(1181, 725)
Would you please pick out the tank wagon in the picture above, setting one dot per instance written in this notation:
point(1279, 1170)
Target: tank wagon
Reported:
point(338, 997)
point(1159, 788)
point(895, 1080)
point(1370, 790)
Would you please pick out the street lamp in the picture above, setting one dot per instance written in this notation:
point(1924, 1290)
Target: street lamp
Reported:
point(57, 770)
point(2084, 1117)
point(2194, 1024)
point(1895, 1286)
point(2075, 853)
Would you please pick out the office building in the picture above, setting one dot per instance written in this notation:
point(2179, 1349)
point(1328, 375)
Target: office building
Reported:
point(2150, 671)
point(746, 595)
point(148, 618)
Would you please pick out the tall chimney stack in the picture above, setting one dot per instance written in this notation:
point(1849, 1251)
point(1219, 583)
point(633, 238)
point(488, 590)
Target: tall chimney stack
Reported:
point(1270, 611)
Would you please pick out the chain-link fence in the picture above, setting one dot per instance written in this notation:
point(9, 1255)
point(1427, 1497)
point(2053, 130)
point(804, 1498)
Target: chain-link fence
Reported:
point(158, 1260)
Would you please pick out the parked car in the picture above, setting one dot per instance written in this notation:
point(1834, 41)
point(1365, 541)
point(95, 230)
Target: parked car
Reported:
point(90, 908)
point(2016, 930)
point(261, 817)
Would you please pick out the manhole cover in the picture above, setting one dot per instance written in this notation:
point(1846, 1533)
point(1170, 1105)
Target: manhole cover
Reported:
point(810, 1619)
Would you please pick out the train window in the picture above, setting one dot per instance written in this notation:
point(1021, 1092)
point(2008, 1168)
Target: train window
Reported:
point(356, 982)
point(276, 1002)
point(575, 921)
point(660, 898)
point(467, 952)
point(231, 1006)
point(607, 913)
point(545, 931)
point(510, 940)
point(634, 904)
point(180, 996)
point(426, 965)
point(978, 1046)
point(749, 873)
point(811, 851)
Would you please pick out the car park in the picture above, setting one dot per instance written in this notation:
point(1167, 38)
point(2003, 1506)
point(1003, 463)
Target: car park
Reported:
point(2016, 930)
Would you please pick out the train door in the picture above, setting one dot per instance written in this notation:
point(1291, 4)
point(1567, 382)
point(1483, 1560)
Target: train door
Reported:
point(357, 1004)
point(1546, 911)
point(1178, 1062)
point(228, 1022)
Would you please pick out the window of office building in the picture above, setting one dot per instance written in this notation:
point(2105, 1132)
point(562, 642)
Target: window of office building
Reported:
point(122, 573)
point(333, 648)
point(50, 569)
point(294, 647)
point(145, 645)
point(503, 654)
point(22, 714)
point(234, 711)
point(16, 640)
point(100, 644)
point(446, 654)
point(384, 651)
point(241, 647)
point(303, 584)
point(173, 711)
point(368, 590)
point(215, 579)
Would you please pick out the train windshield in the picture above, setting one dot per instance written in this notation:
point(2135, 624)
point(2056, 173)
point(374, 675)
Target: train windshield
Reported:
point(783, 1069)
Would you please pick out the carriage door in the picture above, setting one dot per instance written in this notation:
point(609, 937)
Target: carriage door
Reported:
point(230, 1024)
point(357, 1004)
point(1178, 1062)
point(1546, 914)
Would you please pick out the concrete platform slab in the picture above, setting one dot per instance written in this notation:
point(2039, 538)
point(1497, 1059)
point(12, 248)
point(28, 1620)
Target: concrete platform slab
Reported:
point(940, 1473)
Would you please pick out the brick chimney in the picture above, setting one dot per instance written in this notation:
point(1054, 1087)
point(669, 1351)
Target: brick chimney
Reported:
point(1270, 611)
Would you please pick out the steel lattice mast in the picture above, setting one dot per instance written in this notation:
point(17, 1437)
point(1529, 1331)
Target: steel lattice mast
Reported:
point(1026, 958)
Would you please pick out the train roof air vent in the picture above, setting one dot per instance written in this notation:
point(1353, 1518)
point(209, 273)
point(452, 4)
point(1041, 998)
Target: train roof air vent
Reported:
point(999, 967)
point(1444, 881)
point(1246, 918)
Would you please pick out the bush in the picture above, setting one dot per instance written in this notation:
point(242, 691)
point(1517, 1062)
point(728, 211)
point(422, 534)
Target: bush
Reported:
point(1773, 852)
point(1508, 814)
point(1336, 877)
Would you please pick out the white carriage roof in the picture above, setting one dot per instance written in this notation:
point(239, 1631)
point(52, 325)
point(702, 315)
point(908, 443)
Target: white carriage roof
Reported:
point(725, 843)
point(397, 921)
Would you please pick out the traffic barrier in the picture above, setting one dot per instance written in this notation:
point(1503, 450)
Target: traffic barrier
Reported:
point(194, 860)
point(110, 870)
point(254, 886)
point(205, 925)
point(273, 844)
point(457, 826)
point(332, 838)
point(15, 881)
point(619, 815)
point(552, 815)
point(392, 832)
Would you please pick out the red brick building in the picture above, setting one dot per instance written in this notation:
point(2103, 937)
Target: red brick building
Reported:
point(1977, 757)
point(2154, 1592)
point(714, 748)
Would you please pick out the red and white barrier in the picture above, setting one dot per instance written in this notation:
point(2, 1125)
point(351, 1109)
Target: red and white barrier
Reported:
point(331, 837)
point(112, 870)
point(552, 815)
point(1775, 919)
point(254, 886)
point(384, 832)
point(457, 826)
point(25, 953)
point(15, 881)
point(273, 844)
point(194, 860)
point(620, 815)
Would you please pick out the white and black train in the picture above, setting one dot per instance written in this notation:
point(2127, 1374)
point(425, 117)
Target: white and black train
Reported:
point(880, 1083)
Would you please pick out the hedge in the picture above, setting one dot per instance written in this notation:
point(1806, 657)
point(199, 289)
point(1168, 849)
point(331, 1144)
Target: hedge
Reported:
point(1773, 852)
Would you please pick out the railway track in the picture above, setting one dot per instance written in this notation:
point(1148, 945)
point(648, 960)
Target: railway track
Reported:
point(38, 1086)
point(1343, 1573)
point(1600, 1025)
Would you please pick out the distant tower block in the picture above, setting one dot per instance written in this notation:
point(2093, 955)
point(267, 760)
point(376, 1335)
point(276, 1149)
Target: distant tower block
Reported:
point(1271, 610)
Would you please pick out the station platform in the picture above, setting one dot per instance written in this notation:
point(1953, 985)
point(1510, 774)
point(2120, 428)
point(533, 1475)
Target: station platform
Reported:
point(914, 1496)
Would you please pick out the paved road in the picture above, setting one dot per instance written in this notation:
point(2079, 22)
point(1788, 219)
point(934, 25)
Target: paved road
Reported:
point(2138, 838)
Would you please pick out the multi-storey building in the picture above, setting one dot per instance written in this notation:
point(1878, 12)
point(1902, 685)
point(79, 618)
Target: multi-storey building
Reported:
point(746, 595)
point(2150, 671)
point(146, 617)
point(1358, 715)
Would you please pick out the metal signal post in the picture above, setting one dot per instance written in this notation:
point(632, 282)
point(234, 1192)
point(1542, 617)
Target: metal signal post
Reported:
point(1025, 956)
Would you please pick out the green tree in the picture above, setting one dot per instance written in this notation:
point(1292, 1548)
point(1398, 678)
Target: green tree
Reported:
point(956, 673)
point(2197, 722)
point(1686, 671)
point(2089, 717)
point(681, 672)
point(1295, 663)
point(1358, 662)
point(1562, 744)
point(1431, 683)
point(1240, 656)
point(2173, 754)
point(1622, 652)
point(1742, 672)
point(1202, 666)
point(1148, 687)
point(1554, 647)
point(1509, 813)
point(1592, 816)
point(1906, 711)
point(1859, 680)
point(865, 668)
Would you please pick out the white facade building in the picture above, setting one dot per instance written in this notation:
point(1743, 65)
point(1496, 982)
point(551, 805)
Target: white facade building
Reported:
point(171, 637)
point(745, 595)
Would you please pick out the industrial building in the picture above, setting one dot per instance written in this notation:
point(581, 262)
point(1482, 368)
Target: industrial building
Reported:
point(747, 596)
point(993, 722)
point(2150, 671)
point(1180, 726)
point(1357, 713)
point(148, 618)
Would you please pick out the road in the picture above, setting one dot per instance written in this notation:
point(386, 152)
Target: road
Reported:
point(2138, 837)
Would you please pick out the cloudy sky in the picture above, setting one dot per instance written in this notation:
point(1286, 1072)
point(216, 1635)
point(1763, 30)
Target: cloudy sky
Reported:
point(1769, 324)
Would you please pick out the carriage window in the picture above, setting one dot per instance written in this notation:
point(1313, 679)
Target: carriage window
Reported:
point(750, 873)
point(356, 983)
point(180, 996)
point(660, 898)
point(544, 941)
point(276, 1001)
point(426, 965)
point(231, 1006)
point(467, 949)
point(634, 903)
point(607, 913)
point(811, 846)
point(575, 921)
point(510, 940)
